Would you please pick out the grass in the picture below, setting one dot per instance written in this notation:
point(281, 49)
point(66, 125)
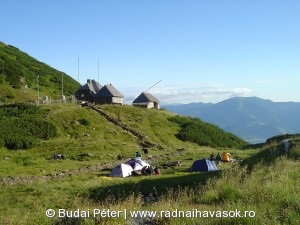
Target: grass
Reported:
point(19, 75)
point(101, 140)
point(9, 94)
point(271, 191)
point(263, 182)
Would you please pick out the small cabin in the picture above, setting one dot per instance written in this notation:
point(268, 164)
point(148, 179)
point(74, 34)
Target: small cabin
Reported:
point(146, 100)
point(108, 94)
point(87, 91)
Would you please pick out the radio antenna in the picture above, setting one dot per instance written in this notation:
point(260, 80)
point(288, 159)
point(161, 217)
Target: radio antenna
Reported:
point(152, 86)
point(98, 71)
point(78, 68)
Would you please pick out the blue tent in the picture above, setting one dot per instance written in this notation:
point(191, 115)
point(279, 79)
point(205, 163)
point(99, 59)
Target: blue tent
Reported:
point(203, 165)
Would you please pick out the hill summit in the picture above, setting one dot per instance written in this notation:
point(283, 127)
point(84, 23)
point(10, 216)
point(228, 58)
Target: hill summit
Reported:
point(251, 118)
point(22, 76)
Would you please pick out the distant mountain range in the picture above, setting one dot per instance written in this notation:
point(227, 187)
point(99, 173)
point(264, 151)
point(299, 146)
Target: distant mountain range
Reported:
point(251, 118)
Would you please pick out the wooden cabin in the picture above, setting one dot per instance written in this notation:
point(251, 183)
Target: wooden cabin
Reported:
point(146, 100)
point(87, 91)
point(108, 94)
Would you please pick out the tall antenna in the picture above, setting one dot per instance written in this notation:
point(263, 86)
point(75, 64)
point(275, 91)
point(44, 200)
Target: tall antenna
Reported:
point(152, 86)
point(62, 84)
point(38, 89)
point(78, 68)
point(98, 71)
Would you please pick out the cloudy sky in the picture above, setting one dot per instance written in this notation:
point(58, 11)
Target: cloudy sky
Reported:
point(201, 50)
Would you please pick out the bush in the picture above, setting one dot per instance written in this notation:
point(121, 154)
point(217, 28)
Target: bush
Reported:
point(20, 142)
point(84, 122)
point(42, 129)
point(22, 127)
point(205, 134)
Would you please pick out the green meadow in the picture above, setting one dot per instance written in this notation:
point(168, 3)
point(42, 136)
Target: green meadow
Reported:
point(261, 180)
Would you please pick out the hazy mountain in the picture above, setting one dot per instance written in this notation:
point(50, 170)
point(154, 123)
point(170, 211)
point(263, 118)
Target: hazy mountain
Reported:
point(250, 118)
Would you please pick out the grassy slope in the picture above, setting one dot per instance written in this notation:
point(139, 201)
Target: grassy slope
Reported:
point(15, 64)
point(269, 190)
point(102, 140)
point(266, 189)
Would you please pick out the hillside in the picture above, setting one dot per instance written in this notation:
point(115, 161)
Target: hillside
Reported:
point(33, 181)
point(251, 118)
point(262, 180)
point(72, 130)
point(20, 72)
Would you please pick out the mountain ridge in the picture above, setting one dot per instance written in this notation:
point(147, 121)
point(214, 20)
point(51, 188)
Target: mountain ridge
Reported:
point(247, 117)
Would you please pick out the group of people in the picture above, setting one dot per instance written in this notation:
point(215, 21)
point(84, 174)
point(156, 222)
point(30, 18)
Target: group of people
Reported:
point(147, 170)
point(214, 158)
point(225, 157)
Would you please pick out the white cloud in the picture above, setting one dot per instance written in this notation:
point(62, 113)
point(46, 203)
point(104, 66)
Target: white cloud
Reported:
point(200, 94)
point(187, 94)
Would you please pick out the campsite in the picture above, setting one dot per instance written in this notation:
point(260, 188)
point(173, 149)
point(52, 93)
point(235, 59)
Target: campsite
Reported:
point(32, 181)
point(61, 155)
point(149, 112)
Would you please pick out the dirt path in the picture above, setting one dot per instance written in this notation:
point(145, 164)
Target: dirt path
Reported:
point(141, 137)
point(66, 173)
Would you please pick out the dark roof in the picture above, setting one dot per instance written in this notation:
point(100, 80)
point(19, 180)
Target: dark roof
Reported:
point(96, 85)
point(145, 97)
point(91, 85)
point(108, 91)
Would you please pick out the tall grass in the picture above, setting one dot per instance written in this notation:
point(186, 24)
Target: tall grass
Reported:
point(271, 191)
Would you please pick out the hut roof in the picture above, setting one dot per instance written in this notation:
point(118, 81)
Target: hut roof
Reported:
point(145, 97)
point(108, 91)
point(91, 85)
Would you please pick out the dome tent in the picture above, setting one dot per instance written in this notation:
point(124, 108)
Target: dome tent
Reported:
point(203, 165)
point(121, 170)
point(226, 157)
point(137, 163)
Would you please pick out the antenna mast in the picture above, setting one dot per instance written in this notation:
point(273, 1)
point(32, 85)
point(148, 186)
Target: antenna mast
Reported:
point(38, 89)
point(78, 68)
point(98, 70)
point(152, 86)
point(62, 84)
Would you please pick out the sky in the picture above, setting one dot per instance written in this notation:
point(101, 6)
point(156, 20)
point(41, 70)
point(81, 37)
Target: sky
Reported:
point(197, 50)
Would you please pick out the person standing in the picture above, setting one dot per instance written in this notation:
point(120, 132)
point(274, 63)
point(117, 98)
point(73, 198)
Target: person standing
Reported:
point(218, 159)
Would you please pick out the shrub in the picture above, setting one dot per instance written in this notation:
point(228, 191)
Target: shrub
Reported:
point(22, 127)
point(19, 142)
point(205, 134)
point(42, 129)
point(84, 122)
